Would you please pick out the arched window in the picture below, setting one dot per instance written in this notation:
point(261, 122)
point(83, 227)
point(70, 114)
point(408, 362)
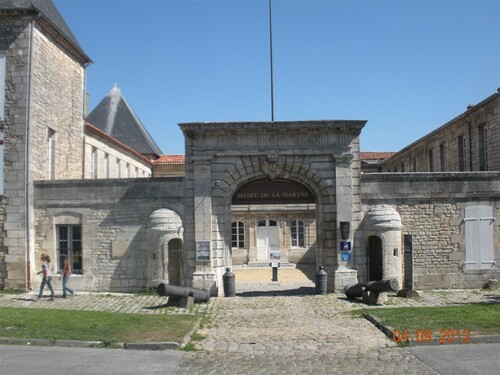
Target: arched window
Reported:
point(297, 233)
point(238, 234)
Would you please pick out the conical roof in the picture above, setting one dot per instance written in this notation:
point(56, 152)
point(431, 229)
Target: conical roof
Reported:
point(115, 117)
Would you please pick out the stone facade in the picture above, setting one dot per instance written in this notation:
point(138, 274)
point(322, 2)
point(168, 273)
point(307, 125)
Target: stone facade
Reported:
point(44, 84)
point(323, 156)
point(469, 142)
point(120, 233)
point(107, 158)
point(427, 230)
point(297, 254)
point(432, 208)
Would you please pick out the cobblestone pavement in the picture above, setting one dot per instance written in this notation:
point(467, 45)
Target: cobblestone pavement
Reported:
point(276, 332)
point(114, 302)
point(275, 328)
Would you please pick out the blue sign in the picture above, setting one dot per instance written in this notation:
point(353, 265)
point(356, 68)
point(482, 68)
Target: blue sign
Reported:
point(345, 246)
point(346, 256)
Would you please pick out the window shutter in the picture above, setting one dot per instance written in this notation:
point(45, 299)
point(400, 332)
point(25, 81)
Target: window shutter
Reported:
point(479, 237)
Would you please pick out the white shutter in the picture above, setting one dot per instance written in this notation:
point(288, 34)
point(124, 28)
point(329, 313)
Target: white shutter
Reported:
point(479, 237)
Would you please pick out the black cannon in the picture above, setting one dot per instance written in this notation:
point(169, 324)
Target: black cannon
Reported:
point(177, 292)
point(357, 290)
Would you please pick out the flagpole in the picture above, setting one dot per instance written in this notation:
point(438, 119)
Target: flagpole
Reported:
point(271, 58)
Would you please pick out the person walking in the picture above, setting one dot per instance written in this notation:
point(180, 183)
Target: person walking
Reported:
point(46, 276)
point(65, 275)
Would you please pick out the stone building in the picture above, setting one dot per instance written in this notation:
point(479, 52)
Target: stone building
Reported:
point(245, 193)
point(469, 142)
point(42, 75)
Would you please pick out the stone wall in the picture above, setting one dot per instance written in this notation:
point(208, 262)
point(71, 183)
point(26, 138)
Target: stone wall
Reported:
point(44, 95)
point(15, 41)
point(432, 209)
point(57, 91)
point(114, 214)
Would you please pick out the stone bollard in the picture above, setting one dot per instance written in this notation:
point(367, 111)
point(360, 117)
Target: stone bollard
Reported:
point(321, 281)
point(229, 281)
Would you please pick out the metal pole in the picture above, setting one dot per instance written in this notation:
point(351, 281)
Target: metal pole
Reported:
point(271, 58)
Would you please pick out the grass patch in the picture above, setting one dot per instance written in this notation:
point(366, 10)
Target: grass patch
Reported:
point(479, 319)
point(108, 327)
point(12, 291)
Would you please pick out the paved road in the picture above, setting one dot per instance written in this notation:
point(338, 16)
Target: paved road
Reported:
point(472, 359)
point(294, 335)
point(31, 360)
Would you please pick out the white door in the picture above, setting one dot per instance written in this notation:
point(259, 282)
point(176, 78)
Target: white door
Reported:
point(267, 238)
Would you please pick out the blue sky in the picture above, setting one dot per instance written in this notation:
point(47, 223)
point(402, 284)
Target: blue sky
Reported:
point(407, 67)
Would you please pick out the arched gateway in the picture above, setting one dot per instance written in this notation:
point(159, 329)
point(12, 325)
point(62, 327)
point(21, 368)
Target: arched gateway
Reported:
point(313, 162)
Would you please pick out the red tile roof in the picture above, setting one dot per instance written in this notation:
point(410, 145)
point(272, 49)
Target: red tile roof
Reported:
point(170, 159)
point(180, 159)
point(375, 155)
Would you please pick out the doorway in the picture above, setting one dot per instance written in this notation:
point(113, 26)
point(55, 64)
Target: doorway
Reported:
point(375, 258)
point(267, 239)
point(174, 261)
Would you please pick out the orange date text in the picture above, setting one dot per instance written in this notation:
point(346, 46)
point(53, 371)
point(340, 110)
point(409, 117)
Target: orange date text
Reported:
point(446, 336)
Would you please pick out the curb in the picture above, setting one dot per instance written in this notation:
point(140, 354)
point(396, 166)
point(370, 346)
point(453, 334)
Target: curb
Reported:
point(388, 331)
point(166, 345)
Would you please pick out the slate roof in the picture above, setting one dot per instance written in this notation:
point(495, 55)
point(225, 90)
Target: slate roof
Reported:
point(114, 116)
point(50, 15)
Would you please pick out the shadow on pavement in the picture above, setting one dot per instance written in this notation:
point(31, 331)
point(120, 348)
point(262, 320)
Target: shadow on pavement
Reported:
point(302, 291)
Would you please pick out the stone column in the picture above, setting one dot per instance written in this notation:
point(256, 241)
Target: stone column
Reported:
point(204, 276)
point(344, 274)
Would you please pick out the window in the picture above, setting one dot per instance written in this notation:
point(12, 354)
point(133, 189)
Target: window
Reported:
point(462, 153)
point(93, 163)
point(414, 164)
point(69, 244)
point(431, 161)
point(442, 157)
point(51, 154)
point(238, 234)
point(297, 233)
point(269, 223)
point(483, 148)
point(479, 222)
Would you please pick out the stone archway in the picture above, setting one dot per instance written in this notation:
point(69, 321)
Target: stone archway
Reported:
point(222, 157)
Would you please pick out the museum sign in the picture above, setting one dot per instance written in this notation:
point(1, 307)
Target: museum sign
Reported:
point(273, 192)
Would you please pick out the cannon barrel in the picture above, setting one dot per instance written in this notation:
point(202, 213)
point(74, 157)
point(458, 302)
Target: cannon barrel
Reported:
point(177, 291)
point(354, 291)
point(389, 285)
